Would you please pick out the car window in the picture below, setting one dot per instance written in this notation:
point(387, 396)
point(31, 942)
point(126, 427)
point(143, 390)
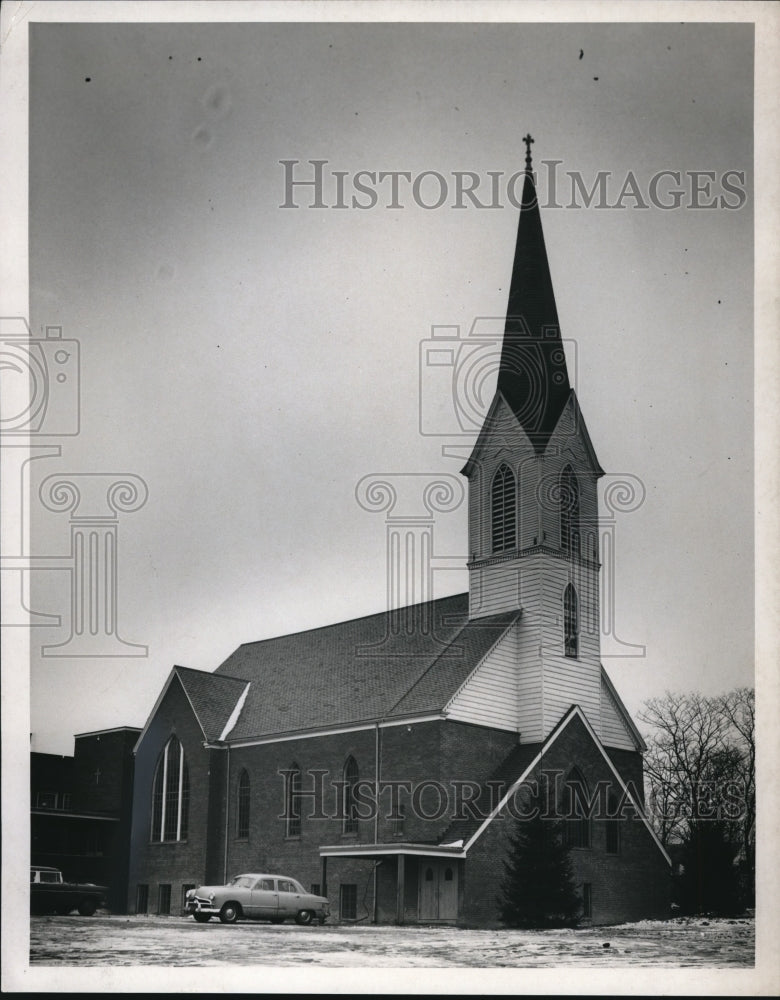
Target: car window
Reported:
point(32, 876)
point(265, 883)
point(285, 886)
point(297, 887)
point(244, 881)
point(50, 877)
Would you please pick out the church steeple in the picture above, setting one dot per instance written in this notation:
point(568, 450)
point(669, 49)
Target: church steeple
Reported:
point(532, 375)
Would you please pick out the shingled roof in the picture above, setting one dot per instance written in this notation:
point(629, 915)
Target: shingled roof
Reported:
point(213, 698)
point(384, 666)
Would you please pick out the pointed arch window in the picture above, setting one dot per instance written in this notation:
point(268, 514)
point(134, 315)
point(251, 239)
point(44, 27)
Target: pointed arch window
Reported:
point(242, 812)
point(576, 810)
point(170, 794)
point(570, 512)
point(292, 811)
point(351, 777)
point(571, 622)
point(503, 508)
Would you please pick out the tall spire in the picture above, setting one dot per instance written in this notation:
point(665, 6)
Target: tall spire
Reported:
point(532, 376)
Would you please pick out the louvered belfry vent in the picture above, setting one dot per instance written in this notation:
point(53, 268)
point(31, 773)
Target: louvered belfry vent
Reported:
point(504, 507)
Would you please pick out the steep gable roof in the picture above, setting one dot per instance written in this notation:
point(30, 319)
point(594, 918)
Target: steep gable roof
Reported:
point(622, 711)
point(213, 698)
point(471, 835)
point(383, 666)
point(488, 430)
point(573, 411)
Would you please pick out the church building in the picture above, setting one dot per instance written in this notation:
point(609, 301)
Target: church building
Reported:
point(384, 762)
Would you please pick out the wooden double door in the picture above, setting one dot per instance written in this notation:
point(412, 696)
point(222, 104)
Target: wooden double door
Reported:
point(438, 889)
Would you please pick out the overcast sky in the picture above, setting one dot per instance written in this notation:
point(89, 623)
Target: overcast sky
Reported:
point(253, 363)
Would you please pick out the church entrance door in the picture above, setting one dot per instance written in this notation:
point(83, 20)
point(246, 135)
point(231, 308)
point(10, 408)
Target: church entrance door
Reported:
point(438, 890)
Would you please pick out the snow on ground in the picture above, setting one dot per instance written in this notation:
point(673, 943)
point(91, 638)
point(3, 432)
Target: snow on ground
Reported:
point(178, 941)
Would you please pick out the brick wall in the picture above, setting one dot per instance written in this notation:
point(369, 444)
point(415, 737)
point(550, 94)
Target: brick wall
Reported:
point(174, 863)
point(425, 754)
point(630, 885)
point(102, 770)
point(629, 764)
point(626, 886)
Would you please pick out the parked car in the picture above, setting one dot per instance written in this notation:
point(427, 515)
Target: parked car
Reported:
point(257, 897)
point(50, 893)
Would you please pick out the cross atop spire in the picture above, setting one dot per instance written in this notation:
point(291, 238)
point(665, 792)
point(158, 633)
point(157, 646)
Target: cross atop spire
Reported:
point(528, 139)
point(532, 375)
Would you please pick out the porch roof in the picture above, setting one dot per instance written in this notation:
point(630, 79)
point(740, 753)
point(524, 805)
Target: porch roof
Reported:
point(384, 850)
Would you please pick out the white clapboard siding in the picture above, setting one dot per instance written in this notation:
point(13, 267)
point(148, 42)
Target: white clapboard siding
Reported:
point(530, 469)
point(614, 730)
point(530, 715)
point(494, 588)
point(489, 697)
point(570, 682)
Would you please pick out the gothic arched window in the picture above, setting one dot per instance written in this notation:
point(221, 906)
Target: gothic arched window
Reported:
point(571, 624)
point(292, 811)
point(503, 508)
point(570, 512)
point(351, 777)
point(242, 824)
point(170, 794)
point(577, 822)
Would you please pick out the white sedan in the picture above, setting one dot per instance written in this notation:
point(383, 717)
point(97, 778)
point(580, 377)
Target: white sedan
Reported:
point(257, 897)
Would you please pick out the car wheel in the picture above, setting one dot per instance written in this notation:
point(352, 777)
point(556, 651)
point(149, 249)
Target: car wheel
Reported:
point(304, 917)
point(202, 918)
point(87, 907)
point(230, 913)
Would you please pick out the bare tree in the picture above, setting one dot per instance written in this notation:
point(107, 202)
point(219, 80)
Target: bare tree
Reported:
point(700, 771)
point(739, 709)
point(701, 758)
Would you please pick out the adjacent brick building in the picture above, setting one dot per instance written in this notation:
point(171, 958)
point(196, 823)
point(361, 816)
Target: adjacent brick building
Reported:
point(80, 810)
point(380, 760)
